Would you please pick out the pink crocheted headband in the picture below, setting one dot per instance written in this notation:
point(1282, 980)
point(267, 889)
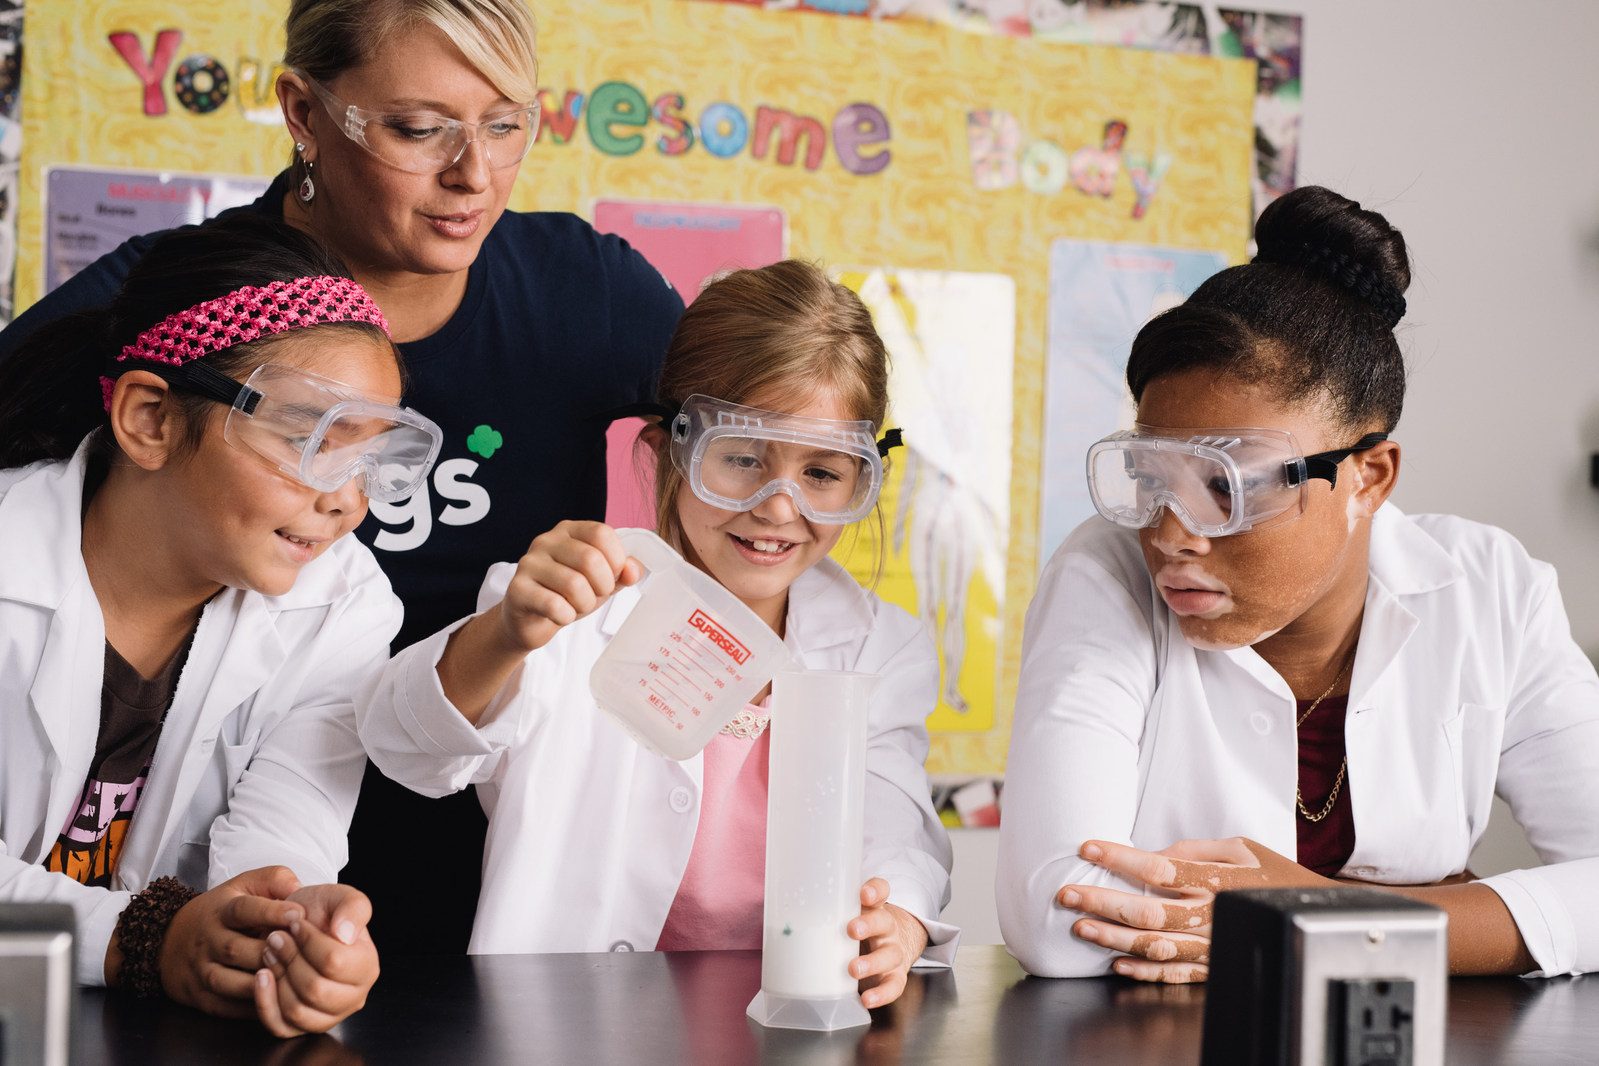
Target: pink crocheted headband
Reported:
point(249, 314)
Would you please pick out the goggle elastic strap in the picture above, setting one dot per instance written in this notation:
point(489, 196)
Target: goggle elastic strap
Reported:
point(668, 416)
point(1324, 465)
point(202, 379)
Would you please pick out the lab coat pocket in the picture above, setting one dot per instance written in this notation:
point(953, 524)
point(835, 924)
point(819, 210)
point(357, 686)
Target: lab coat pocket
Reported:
point(211, 797)
point(235, 759)
point(1474, 735)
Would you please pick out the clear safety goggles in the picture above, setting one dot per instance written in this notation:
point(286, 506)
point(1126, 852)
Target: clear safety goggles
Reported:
point(735, 457)
point(420, 142)
point(1222, 482)
point(319, 432)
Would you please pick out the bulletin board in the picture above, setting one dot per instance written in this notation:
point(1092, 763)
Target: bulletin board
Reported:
point(930, 167)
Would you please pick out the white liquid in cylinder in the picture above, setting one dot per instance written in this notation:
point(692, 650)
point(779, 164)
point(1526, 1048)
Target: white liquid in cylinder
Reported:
point(808, 962)
point(814, 827)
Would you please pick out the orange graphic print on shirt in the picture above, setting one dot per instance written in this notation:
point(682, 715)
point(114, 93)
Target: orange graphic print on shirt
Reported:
point(89, 847)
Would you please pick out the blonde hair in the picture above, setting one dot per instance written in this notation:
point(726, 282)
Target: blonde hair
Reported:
point(783, 335)
point(498, 37)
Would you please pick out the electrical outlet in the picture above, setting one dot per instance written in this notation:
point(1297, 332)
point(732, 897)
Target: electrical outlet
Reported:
point(1372, 1022)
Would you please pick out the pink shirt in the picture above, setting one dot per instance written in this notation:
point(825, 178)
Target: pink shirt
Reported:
point(718, 904)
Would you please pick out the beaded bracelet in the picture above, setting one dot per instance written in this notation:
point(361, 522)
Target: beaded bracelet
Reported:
point(141, 930)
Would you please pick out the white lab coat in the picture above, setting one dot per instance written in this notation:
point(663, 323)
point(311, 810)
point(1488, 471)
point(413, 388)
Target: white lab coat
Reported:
point(589, 833)
point(258, 763)
point(1466, 683)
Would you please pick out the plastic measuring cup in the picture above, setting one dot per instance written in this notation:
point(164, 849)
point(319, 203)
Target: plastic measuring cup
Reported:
point(687, 659)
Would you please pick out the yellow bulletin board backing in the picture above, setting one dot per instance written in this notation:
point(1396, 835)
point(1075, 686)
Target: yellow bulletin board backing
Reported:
point(917, 161)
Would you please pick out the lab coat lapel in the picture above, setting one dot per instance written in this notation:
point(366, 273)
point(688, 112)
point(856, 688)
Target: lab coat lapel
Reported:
point(41, 565)
point(69, 679)
point(827, 610)
point(1384, 631)
point(236, 650)
point(1393, 742)
point(1405, 563)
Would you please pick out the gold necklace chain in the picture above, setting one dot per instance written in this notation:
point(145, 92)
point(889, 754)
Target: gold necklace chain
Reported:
point(1338, 782)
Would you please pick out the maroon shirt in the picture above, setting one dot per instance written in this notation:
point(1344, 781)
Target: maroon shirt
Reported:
point(1326, 845)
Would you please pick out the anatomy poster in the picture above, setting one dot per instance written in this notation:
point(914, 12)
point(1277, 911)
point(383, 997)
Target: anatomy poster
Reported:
point(1100, 295)
point(946, 506)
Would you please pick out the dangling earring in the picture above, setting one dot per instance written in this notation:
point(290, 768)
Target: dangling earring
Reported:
point(307, 191)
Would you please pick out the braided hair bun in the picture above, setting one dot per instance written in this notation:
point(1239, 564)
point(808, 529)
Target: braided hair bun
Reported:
point(1333, 236)
point(1313, 316)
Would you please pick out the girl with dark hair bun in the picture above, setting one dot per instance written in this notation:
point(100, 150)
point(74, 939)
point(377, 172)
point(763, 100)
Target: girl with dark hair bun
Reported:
point(1251, 670)
point(184, 622)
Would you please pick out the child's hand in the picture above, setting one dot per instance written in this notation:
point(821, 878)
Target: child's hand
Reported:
point(320, 970)
point(566, 574)
point(215, 941)
point(1167, 937)
point(894, 940)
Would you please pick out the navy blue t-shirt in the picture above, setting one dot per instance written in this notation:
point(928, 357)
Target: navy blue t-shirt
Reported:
point(559, 324)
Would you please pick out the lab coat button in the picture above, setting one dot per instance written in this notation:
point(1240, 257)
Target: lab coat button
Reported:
point(621, 945)
point(681, 800)
point(1261, 721)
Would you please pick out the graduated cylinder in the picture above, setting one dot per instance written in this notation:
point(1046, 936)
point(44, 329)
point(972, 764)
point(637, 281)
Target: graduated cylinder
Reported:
point(814, 828)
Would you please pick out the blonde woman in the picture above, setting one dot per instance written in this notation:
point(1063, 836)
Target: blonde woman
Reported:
point(409, 120)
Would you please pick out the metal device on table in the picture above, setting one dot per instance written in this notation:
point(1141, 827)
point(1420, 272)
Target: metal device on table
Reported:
point(36, 984)
point(1341, 977)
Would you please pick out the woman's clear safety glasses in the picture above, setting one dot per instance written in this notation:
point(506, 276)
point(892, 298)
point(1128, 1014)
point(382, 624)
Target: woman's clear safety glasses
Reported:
point(735, 457)
point(420, 142)
point(1218, 483)
point(319, 432)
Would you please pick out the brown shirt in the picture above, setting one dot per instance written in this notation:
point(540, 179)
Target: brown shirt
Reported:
point(132, 709)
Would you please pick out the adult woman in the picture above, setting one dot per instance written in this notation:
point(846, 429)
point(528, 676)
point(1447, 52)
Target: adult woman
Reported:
point(409, 119)
point(1279, 655)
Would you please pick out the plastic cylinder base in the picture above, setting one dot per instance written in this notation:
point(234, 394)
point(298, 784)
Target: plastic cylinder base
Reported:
point(818, 1015)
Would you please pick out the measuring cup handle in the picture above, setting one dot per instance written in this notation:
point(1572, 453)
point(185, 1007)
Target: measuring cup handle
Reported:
point(649, 549)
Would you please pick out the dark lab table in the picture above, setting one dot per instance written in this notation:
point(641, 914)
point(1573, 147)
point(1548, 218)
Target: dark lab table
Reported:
point(651, 1008)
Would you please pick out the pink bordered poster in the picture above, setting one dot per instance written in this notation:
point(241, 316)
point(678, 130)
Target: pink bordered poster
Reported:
point(688, 244)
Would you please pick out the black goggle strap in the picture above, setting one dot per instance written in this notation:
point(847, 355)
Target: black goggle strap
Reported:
point(892, 438)
point(1324, 465)
point(203, 379)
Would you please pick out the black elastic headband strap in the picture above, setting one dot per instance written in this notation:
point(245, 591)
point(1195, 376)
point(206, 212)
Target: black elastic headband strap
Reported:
point(203, 379)
point(892, 438)
point(1324, 465)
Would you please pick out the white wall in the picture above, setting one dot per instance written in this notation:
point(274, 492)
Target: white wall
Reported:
point(1470, 126)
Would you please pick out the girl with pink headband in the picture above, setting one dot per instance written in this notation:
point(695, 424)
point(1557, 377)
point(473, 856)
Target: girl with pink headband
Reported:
point(183, 620)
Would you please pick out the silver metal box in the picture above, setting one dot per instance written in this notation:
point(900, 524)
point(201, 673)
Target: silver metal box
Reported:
point(1326, 977)
point(36, 984)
